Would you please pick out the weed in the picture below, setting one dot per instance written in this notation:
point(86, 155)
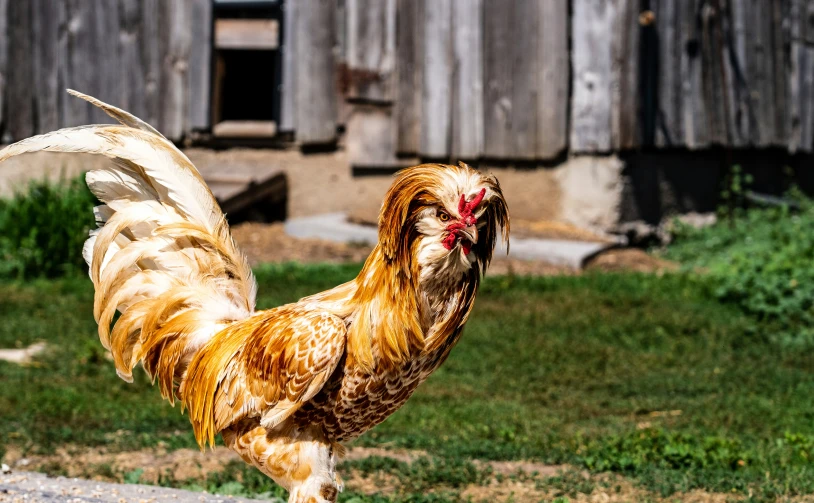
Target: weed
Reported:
point(759, 260)
point(42, 230)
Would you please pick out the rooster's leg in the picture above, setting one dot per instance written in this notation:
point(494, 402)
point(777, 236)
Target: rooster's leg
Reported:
point(299, 459)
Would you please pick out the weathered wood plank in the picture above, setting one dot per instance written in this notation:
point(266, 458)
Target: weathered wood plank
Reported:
point(76, 49)
point(592, 38)
point(497, 74)
point(467, 90)
point(526, 79)
point(21, 112)
point(751, 73)
point(801, 82)
point(174, 27)
point(47, 16)
point(716, 95)
point(624, 76)
point(371, 136)
point(131, 72)
point(807, 115)
point(151, 54)
point(662, 104)
point(4, 54)
point(316, 83)
point(200, 58)
point(288, 116)
point(436, 129)
point(802, 36)
point(103, 61)
point(745, 71)
point(807, 18)
point(370, 82)
point(371, 49)
point(695, 132)
point(410, 74)
point(779, 70)
point(524, 60)
point(553, 78)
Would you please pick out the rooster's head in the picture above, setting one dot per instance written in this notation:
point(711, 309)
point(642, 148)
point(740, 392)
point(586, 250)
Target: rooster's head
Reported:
point(439, 217)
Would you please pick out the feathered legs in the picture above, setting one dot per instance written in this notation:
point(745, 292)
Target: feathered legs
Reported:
point(299, 459)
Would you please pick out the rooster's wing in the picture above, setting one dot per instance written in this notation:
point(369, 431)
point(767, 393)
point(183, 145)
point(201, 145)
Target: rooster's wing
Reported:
point(267, 367)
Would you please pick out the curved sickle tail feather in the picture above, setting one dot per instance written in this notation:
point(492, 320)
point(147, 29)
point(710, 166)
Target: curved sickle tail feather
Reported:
point(162, 255)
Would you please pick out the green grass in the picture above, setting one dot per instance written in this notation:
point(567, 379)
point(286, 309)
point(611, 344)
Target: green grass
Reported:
point(582, 370)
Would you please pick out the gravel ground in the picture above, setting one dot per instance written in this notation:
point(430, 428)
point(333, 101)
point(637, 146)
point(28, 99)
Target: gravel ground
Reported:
point(30, 487)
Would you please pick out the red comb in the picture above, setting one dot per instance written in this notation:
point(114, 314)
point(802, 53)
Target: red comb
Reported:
point(467, 218)
point(466, 208)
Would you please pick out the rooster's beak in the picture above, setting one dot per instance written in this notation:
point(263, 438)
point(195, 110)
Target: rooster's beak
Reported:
point(470, 233)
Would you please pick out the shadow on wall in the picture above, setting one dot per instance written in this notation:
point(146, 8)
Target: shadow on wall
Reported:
point(668, 182)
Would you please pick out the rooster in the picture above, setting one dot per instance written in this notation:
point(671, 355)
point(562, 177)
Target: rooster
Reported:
point(286, 386)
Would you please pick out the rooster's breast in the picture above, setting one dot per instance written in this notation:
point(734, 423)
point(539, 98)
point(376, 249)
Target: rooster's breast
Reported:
point(353, 401)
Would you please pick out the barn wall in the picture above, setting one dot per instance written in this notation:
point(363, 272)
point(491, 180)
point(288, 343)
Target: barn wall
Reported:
point(150, 57)
point(498, 80)
point(535, 80)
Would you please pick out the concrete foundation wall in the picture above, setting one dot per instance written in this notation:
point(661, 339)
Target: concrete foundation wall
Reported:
point(585, 191)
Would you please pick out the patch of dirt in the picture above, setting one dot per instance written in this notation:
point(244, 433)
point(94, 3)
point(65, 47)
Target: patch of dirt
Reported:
point(96, 464)
point(629, 259)
point(505, 266)
point(509, 468)
point(404, 455)
point(608, 488)
point(549, 229)
point(270, 243)
point(378, 483)
point(514, 481)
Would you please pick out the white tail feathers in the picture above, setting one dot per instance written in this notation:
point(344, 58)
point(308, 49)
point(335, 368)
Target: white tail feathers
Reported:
point(162, 256)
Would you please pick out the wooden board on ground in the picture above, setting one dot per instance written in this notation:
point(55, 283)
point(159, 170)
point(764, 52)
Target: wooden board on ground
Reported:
point(237, 193)
point(245, 129)
point(247, 34)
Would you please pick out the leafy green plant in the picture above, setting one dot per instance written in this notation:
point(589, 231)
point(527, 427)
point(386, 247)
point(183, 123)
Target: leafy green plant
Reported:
point(760, 261)
point(673, 450)
point(42, 229)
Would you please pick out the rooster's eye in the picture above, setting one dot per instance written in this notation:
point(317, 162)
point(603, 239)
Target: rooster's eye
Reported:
point(443, 216)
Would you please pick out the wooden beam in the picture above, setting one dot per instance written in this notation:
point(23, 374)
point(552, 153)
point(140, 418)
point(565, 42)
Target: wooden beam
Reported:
point(245, 129)
point(553, 70)
point(592, 38)
point(4, 58)
point(47, 17)
point(467, 87)
point(625, 113)
point(371, 50)
point(200, 58)
point(288, 98)
point(316, 79)
point(247, 34)
point(410, 75)
point(20, 117)
point(174, 27)
point(497, 71)
point(436, 128)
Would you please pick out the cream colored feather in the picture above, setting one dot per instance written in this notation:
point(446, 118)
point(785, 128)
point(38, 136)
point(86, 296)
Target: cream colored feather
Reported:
point(163, 249)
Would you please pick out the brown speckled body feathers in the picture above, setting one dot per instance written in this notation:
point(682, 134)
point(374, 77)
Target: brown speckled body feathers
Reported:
point(284, 386)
